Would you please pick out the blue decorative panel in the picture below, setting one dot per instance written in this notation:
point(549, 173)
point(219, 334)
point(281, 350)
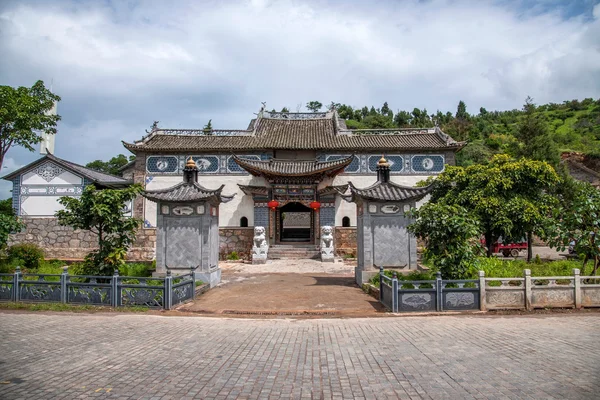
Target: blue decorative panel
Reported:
point(261, 217)
point(327, 216)
point(427, 163)
point(352, 168)
point(396, 163)
point(162, 164)
point(207, 164)
point(233, 167)
point(15, 195)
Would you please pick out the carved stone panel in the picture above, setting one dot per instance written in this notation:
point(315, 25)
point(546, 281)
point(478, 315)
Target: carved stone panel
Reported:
point(552, 297)
point(415, 301)
point(505, 298)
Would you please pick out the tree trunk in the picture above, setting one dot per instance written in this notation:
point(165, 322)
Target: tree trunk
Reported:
point(489, 243)
point(596, 261)
point(585, 260)
point(529, 248)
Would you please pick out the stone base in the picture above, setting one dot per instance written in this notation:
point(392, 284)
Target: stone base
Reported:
point(259, 259)
point(329, 258)
point(213, 278)
point(361, 276)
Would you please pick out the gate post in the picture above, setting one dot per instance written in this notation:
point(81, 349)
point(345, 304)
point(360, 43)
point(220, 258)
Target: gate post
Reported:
point(114, 282)
point(577, 287)
point(63, 285)
point(438, 291)
point(381, 284)
point(528, 294)
point(167, 291)
point(394, 293)
point(16, 279)
point(482, 305)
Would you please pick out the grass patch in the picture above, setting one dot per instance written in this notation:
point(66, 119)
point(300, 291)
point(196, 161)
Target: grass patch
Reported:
point(496, 268)
point(67, 307)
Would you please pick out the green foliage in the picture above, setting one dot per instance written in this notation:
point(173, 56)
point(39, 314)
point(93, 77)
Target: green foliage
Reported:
point(508, 198)
point(208, 127)
point(67, 307)
point(29, 253)
point(537, 132)
point(6, 207)
point(413, 276)
point(24, 113)
point(101, 212)
point(135, 269)
point(497, 268)
point(111, 166)
point(451, 235)
point(314, 106)
point(8, 224)
point(578, 220)
point(233, 256)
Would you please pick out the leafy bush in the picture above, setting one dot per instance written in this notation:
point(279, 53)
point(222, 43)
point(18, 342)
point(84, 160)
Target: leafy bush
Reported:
point(30, 254)
point(496, 268)
point(135, 269)
point(233, 256)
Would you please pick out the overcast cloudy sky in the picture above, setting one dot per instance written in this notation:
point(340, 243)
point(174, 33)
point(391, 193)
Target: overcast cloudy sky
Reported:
point(119, 65)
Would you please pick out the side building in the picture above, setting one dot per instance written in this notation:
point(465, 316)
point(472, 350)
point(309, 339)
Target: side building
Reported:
point(288, 171)
point(36, 190)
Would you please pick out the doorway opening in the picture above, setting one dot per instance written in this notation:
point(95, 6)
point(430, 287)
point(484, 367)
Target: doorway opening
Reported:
point(295, 222)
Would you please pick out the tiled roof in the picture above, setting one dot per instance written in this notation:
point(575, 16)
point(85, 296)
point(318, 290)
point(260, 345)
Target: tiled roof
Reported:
point(93, 175)
point(323, 131)
point(337, 189)
point(250, 190)
point(387, 191)
point(187, 192)
point(293, 167)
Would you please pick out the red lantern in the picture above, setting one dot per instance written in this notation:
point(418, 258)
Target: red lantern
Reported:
point(273, 204)
point(315, 205)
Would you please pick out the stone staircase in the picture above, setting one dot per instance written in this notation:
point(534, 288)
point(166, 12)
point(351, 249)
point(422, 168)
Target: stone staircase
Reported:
point(296, 251)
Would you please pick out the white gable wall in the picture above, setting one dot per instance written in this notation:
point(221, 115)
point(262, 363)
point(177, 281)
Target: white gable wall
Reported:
point(41, 186)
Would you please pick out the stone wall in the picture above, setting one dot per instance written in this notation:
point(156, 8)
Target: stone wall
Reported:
point(62, 242)
point(236, 239)
point(345, 241)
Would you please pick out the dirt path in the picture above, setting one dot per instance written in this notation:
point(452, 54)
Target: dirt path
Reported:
point(286, 294)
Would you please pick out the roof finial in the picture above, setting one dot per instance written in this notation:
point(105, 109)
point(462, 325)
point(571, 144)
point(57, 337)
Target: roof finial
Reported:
point(383, 162)
point(190, 163)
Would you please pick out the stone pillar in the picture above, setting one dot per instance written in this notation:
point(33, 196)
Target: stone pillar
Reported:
point(577, 287)
point(139, 177)
point(527, 288)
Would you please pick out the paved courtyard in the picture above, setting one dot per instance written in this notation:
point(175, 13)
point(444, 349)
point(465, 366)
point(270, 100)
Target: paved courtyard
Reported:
point(154, 357)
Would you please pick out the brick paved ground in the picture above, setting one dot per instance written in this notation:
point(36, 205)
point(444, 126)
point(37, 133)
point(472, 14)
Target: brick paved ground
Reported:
point(153, 357)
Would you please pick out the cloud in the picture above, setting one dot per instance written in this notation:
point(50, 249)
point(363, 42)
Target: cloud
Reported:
point(121, 65)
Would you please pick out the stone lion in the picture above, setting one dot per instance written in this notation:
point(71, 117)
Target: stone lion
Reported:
point(260, 240)
point(327, 236)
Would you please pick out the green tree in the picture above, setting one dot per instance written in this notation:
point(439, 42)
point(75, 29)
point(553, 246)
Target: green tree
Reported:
point(111, 166)
point(285, 110)
point(577, 220)
point(9, 224)
point(451, 236)
point(208, 127)
point(23, 114)
point(314, 105)
point(534, 141)
point(101, 212)
point(509, 198)
point(402, 119)
point(6, 207)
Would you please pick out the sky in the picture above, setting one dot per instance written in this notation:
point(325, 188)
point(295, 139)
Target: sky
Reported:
point(120, 65)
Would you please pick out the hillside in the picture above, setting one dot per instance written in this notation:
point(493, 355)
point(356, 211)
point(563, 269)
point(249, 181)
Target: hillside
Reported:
point(573, 126)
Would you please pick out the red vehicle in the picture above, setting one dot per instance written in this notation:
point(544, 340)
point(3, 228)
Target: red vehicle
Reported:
point(507, 249)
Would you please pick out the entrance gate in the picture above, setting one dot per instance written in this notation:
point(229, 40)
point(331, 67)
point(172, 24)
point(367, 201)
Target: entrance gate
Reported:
point(295, 222)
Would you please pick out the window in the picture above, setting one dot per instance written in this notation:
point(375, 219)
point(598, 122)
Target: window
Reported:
point(244, 222)
point(346, 222)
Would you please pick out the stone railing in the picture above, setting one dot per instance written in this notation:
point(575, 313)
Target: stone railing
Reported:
point(110, 291)
point(483, 294)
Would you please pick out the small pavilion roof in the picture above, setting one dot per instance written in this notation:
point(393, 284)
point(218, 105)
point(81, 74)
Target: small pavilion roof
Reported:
point(334, 189)
point(187, 192)
point(387, 191)
point(254, 190)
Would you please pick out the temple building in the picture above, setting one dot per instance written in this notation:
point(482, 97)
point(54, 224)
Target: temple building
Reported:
point(287, 171)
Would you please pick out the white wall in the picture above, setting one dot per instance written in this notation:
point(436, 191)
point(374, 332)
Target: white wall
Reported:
point(65, 178)
point(43, 206)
